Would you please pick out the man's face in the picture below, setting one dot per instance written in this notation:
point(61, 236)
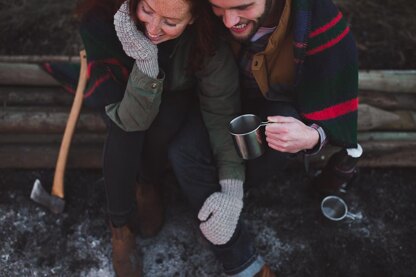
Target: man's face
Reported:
point(242, 17)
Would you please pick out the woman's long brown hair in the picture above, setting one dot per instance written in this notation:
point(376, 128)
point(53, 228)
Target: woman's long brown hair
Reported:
point(204, 31)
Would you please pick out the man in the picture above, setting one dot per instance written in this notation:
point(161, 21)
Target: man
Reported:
point(298, 69)
point(300, 55)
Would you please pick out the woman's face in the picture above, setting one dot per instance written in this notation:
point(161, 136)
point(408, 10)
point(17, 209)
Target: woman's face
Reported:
point(164, 19)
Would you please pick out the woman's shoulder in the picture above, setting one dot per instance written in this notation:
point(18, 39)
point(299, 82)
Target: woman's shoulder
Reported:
point(222, 49)
point(222, 60)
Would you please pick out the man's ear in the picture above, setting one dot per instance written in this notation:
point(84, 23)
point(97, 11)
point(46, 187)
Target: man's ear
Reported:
point(192, 21)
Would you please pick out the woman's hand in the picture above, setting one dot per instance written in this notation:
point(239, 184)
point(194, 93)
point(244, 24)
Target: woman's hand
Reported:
point(220, 212)
point(288, 134)
point(135, 43)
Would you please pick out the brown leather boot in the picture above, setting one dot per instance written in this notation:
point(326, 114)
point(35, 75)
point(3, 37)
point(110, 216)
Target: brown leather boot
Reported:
point(150, 209)
point(126, 260)
point(337, 175)
point(265, 271)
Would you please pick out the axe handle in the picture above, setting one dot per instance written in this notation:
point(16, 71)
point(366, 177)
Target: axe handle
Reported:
point(58, 180)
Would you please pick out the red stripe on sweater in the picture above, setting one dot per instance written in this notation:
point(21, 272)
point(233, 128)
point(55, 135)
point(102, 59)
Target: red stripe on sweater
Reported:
point(299, 44)
point(89, 68)
point(334, 111)
point(97, 83)
point(47, 67)
point(329, 44)
point(124, 70)
point(68, 88)
point(327, 26)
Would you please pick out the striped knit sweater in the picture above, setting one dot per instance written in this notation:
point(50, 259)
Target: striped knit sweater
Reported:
point(326, 82)
point(108, 66)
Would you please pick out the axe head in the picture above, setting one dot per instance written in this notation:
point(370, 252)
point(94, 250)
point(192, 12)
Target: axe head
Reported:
point(41, 196)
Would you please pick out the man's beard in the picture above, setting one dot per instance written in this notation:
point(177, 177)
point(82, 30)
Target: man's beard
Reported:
point(258, 23)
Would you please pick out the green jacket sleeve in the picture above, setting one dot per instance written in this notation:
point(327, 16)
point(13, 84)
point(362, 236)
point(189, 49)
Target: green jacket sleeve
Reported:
point(140, 104)
point(220, 102)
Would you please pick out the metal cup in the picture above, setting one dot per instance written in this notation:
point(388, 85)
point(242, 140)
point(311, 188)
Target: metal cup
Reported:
point(248, 140)
point(335, 208)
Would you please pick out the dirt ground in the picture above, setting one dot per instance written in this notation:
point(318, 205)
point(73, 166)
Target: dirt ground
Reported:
point(285, 221)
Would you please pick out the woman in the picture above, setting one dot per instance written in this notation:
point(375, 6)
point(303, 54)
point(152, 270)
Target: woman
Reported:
point(183, 79)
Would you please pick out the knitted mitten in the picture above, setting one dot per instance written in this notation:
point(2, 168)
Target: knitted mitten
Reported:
point(221, 211)
point(135, 44)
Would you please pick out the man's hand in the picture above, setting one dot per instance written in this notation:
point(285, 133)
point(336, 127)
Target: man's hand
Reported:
point(288, 134)
point(135, 44)
point(221, 211)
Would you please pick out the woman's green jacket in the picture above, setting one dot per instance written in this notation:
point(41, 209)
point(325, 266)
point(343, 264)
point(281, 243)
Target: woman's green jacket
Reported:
point(216, 84)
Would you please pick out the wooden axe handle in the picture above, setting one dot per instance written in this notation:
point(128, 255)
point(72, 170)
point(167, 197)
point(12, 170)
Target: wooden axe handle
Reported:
point(58, 180)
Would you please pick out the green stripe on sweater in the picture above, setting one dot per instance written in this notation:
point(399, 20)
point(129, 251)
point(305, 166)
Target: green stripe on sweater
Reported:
point(301, 5)
point(328, 35)
point(330, 86)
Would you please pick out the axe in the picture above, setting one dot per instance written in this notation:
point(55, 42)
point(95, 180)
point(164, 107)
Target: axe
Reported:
point(55, 200)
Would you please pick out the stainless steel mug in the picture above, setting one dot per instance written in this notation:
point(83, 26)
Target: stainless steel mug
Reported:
point(335, 208)
point(247, 137)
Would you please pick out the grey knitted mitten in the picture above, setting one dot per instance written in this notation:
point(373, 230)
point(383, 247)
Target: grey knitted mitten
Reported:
point(222, 209)
point(135, 44)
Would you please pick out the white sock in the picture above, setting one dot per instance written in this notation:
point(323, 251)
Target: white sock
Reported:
point(355, 152)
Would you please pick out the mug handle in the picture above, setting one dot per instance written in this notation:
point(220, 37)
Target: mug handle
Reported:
point(265, 123)
point(354, 216)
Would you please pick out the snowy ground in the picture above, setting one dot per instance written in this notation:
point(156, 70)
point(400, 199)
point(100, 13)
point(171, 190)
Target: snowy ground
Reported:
point(288, 228)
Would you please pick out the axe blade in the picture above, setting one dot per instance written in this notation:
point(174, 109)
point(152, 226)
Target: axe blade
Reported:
point(41, 196)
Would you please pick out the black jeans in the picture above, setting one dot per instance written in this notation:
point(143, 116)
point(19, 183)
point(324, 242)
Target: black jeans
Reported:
point(141, 156)
point(192, 160)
